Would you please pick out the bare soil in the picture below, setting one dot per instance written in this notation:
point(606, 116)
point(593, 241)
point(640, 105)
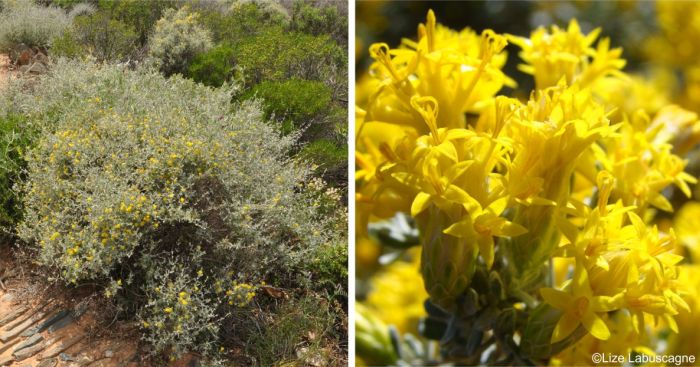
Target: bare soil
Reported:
point(5, 71)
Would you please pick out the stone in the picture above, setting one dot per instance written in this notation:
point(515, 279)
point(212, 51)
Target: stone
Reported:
point(53, 319)
point(29, 332)
point(48, 363)
point(25, 57)
point(13, 315)
point(65, 357)
point(8, 297)
point(9, 345)
point(26, 316)
point(21, 327)
point(16, 330)
point(61, 323)
point(6, 360)
point(29, 342)
point(109, 353)
point(58, 350)
point(28, 352)
point(84, 361)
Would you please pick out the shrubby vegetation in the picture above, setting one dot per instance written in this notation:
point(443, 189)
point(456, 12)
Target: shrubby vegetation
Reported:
point(177, 39)
point(293, 100)
point(15, 138)
point(212, 42)
point(187, 205)
point(180, 202)
point(213, 67)
point(25, 25)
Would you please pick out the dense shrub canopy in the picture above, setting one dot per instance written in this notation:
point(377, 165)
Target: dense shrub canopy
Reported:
point(293, 100)
point(28, 25)
point(166, 189)
point(213, 67)
point(276, 55)
point(177, 39)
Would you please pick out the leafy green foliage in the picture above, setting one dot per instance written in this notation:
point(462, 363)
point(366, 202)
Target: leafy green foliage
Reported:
point(276, 55)
point(317, 20)
point(214, 67)
point(66, 45)
point(296, 101)
point(139, 15)
point(330, 267)
point(325, 153)
point(242, 20)
point(104, 37)
point(15, 139)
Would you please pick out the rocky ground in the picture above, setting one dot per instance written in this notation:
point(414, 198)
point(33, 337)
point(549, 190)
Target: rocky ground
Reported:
point(42, 326)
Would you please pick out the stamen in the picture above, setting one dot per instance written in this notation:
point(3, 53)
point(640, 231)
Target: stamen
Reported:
point(427, 107)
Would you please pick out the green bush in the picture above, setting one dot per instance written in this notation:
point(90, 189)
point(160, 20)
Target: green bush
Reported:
point(177, 39)
point(15, 139)
point(103, 37)
point(179, 202)
point(319, 20)
point(330, 268)
point(66, 45)
point(214, 67)
point(24, 24)
point(299, 103)
point(276, 54)
point(242, 20)
point(139, 15)
point(325, 153)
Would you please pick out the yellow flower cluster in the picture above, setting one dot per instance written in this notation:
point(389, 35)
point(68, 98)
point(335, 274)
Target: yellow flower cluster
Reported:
point(502, 183)
point(238, 294)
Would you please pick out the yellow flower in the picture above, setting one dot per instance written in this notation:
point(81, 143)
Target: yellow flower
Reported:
point(482, 224)
point(567, 54)
point(168, 310)
point(580, 307)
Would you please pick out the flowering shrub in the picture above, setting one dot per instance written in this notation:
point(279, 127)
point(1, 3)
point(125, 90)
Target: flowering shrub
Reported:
point(538, 218)
point(28, 25)
point(178, 201)
point(177, 39)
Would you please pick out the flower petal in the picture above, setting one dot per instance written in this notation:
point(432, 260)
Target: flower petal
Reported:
point(510, 229)
point(558, 299)
point(420, 203)
point(595, 325)
point(566, 325)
